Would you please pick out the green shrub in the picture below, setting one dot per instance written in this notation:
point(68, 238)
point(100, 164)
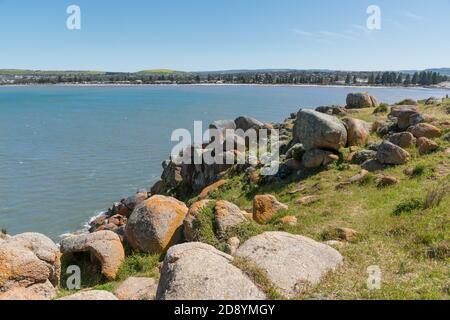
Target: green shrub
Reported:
point(143, 265)
point(407, 102)
point(439, 251)
point(244, 231)
point(418, 170)
point(407, 206)
point(4, 231)
point(435, 196)
point(204, 225)
point(382, 108)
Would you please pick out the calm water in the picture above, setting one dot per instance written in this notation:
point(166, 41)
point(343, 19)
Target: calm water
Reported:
point(67, 153)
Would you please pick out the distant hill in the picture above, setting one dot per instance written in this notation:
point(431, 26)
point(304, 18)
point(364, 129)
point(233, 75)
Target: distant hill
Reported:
point(443, 71)
point(21, 72)
point(159, 72)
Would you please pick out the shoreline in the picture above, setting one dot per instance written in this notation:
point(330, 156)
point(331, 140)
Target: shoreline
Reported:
point(124, 85)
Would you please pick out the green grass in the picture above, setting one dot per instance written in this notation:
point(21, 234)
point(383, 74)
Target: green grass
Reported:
point(204, 225)
point(408, 239)
point(135, 265)
point(259, 278)
point(403, 229)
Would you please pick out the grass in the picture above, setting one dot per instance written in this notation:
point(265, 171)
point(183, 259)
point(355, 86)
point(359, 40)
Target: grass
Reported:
point(407, 102)
point(135, 265)
point(382, 108)
point(403, 229)
point(407, 206)
point(204, 226)
point(259, 278)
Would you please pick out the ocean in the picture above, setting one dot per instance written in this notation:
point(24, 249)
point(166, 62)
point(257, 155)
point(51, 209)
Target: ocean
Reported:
point(67, 153)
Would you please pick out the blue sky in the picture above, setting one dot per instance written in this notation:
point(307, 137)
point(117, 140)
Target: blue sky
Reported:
point(195, 35)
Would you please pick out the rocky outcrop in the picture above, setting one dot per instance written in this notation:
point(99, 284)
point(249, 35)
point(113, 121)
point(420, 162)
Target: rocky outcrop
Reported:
point(389, 153)
point(91, 295)
point(40, 291)
point(373, 165)
point(246, 123)
point(307, 200)
point(289, 221)
point(426, 146)
point(225, 215)
point(316, 158)
point(316, 130)
point(105, 246)
point(265, 207)
point(361, 156)
point(386, 180)
point(232, 245)
point(210, 189)
point(291, 262)
point(156, 224)
point(197, 271)
point(402, 139)
point(29, 266)
point(425, 130)
point(137, 289)
point(332, 110)
point(361, 100)
point(405, 115)
point(358, 132)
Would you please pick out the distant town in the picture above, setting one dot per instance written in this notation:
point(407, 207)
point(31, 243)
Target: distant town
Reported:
point(431, 77)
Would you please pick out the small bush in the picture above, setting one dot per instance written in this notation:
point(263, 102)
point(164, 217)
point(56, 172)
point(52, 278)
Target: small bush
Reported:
point(418, 170)
point(435, 196)
point(4, 231)
point(368, 179)
point(407, 206)
point(446, 137)
point(407, 102)
point(205, 225)
point(382, 108)
point(439, 251)
point(244, 231)
point(143, 265)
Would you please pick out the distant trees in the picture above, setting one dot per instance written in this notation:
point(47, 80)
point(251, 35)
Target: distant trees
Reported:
point(388, 78)
point(348, 79)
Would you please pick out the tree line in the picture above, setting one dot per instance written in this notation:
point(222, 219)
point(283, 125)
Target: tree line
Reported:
point(248, 77)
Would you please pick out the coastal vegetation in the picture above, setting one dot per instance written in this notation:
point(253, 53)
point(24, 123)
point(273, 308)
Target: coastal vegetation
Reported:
point(374, 193)
point(267, 77)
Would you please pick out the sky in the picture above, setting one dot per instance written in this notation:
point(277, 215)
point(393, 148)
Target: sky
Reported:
point(205, 35)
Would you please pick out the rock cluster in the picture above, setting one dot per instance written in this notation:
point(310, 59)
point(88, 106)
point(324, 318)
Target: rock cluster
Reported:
point(156, 224)
point(291, 262)
point(30, 267)
point(216, 278)
point(361, 100)
point(105, 246)
point(195, 177)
